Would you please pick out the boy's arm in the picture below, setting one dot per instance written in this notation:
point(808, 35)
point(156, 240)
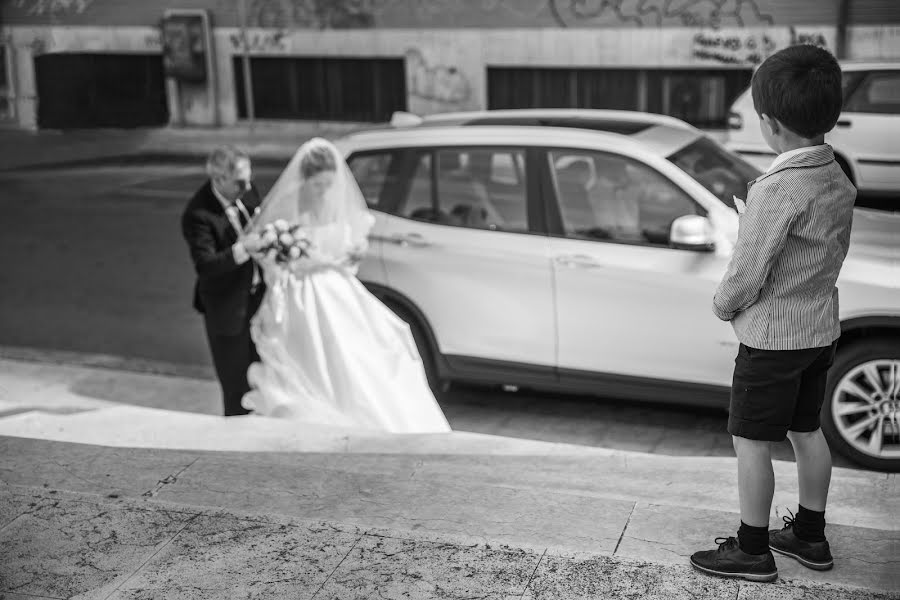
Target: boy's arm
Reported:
point(763, 231)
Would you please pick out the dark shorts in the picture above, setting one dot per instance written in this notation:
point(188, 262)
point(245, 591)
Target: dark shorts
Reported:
point(776, 391)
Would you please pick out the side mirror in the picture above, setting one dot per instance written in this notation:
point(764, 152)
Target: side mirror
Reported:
point(692, 232)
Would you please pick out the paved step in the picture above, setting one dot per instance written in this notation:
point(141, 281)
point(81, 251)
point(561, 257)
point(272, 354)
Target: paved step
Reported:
point(637, 513)
point(125, 548)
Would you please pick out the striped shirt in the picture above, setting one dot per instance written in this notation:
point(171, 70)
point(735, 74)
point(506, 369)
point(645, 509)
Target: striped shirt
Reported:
point(779, 290)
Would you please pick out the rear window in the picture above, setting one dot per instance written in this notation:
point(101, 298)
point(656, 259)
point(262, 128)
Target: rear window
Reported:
point(373, 171)
point(723, 173)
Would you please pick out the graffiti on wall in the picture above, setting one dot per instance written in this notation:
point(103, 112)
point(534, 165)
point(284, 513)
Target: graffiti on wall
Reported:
point(153, 41)
point(746, 49)
point(53, 7)
point(260, 42)
point(732, 49)
point(337, 14)
point(646, 13)
point(313, 14)
point(435, 83)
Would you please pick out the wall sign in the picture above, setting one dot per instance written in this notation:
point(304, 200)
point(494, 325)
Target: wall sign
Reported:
point(185, 40)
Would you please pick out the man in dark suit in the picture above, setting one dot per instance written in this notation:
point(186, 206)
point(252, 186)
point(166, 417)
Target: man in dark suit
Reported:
point(229, 285)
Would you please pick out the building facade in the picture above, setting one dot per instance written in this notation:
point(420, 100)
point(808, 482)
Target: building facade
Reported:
point(109, 63)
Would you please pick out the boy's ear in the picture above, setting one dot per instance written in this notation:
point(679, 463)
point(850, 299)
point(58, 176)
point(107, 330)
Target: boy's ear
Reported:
point(773, 124)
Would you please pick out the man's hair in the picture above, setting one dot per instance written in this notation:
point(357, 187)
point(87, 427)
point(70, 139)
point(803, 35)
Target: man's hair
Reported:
point(223, 160)
point(801, 87)
point(317, 159)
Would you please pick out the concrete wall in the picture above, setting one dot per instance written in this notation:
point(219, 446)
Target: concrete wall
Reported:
point(458, 14)
point(446, 68)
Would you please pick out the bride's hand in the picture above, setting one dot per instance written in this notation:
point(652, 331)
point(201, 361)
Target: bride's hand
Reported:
point(357, 253)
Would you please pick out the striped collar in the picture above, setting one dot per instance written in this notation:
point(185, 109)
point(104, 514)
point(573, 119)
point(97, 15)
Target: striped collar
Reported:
point(813, 156)
point(786, 156)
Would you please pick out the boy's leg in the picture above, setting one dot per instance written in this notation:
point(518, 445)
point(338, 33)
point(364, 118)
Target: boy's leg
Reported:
point(763, 392)
point(810, 448)
point(803, 536)
point(813, 467)
point(756, 481)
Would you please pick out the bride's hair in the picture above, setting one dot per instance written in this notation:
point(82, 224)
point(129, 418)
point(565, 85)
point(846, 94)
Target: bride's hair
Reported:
point(317, 159)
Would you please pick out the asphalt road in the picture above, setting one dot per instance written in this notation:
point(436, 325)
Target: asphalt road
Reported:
point(94, 262)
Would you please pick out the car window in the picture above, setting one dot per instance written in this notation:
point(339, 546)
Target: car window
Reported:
point(720, 171)
point(879, 94)
point(372, 171)
point(609, 197)
point(507, 168)
point(481, 188)
point(849, 82)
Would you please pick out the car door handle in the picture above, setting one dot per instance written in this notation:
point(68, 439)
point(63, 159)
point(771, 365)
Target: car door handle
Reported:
point(578, 261)
point(844, 123)
point(415, 240)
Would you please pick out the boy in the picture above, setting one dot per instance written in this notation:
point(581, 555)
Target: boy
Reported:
point(779, 294)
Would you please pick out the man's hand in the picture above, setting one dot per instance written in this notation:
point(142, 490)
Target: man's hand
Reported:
point(253, 243)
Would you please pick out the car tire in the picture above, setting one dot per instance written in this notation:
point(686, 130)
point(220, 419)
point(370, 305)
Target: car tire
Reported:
point(884, 354)
point(423, 346)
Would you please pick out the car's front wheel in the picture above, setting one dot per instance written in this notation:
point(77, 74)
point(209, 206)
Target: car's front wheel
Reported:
point(861, 413)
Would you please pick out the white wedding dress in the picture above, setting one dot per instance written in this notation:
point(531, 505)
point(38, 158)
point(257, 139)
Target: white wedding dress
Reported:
point(333, 354)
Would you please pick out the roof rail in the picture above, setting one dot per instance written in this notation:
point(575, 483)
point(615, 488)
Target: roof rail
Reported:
point(402, 118)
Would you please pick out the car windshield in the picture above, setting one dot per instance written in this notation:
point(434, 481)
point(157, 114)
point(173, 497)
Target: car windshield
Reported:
point(721, 172)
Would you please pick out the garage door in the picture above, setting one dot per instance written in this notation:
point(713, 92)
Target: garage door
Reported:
point(100, 90)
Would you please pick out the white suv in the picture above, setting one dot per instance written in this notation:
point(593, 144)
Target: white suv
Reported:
point(586, 261)
point(867, 137)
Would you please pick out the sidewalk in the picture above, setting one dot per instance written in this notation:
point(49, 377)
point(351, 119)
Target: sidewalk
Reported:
point(267, 142)
point(212, 512)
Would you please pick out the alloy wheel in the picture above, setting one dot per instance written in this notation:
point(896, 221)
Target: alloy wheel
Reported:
point(866, 408)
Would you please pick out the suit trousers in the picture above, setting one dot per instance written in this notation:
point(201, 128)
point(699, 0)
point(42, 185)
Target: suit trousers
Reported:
point(232, 355)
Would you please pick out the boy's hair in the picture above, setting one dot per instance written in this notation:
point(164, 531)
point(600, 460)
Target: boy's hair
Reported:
point(801, 87)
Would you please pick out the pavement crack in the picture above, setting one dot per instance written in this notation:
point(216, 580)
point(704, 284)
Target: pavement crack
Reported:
point(533, 573)
point(624, 529)
point(161, 547)
point(73, 473)
point(338, 566)
point(168, 480)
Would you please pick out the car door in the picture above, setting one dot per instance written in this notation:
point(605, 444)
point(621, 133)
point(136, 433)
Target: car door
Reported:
point(872, 109)
point(376, 172)
point(461, 245)
point(628, 304)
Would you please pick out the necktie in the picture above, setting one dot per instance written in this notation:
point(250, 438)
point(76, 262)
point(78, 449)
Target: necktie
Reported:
point(243, 214)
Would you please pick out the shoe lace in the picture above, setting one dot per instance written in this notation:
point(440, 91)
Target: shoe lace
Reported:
point(726, 543)
point(788, 520)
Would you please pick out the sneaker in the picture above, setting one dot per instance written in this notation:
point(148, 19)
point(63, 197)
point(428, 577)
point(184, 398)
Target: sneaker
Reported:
point(728, 560)
point(815, 555)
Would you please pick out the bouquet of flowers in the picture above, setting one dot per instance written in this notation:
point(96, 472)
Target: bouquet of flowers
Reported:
point(284, 242)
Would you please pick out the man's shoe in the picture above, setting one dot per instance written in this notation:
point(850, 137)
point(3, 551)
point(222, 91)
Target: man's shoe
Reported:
point(815, 555)
point(728, 560)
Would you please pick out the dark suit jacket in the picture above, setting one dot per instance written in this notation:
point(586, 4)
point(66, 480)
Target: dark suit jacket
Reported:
point(222, 290)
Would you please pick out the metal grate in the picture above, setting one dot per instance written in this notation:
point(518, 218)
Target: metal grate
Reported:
point(331, 89)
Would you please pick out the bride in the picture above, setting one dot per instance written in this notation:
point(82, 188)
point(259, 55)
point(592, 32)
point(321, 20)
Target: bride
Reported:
point(330, 352)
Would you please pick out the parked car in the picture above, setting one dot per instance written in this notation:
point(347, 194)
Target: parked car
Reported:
point(567, 259)
point(867, 137)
